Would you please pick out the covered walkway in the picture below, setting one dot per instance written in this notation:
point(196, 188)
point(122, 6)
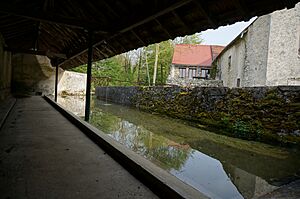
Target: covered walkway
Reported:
point(43, 155)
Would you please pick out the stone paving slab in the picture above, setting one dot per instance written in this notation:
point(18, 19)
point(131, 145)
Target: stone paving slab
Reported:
point(42, 155)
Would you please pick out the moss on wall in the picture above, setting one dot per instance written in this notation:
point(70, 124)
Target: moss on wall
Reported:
point(263, 114)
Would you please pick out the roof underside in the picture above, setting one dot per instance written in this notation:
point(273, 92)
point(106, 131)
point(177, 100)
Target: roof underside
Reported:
point(59, 28)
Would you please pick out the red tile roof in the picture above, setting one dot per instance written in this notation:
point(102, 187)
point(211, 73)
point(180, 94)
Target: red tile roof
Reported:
point(195, 55)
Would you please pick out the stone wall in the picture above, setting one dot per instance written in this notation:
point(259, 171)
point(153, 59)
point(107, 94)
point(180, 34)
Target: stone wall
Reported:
point(72, 83)
point(264, 54)
point(248, 54)
point(284, 61)
point(267, 114)
point(229, 73)
point(194, 82)
point(34, 74)
point(5, 71)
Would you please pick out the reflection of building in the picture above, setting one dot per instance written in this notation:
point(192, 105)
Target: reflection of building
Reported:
point(249, 185)
point(267, 53)
point(192, 62)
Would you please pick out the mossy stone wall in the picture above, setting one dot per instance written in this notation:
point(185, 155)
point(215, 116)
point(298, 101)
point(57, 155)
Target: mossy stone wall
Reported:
point(266, 114)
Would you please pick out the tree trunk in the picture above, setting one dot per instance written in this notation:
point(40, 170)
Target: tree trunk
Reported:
point(161, 74)
point(155, 63)
point(147, 67)
point(139, 68)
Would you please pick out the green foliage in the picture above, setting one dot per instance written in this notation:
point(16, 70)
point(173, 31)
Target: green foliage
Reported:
point(241, 129)
point(164, 62)
point(130, 68)
point(189, 39)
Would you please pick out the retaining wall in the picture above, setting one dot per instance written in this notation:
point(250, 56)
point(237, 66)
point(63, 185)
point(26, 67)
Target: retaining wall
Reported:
point(267, 114)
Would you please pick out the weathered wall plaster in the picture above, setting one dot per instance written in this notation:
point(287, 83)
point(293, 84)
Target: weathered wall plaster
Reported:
point(284, 61)
point(265, 54)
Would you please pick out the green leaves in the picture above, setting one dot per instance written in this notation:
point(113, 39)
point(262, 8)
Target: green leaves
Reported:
point(132, 68)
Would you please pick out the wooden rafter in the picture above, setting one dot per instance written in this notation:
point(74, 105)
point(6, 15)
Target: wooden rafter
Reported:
point(37, 52)
point(242, 8)
point(163, 28)
point(49, 18)
point(130, 27)
point(134, 33)
point(200, 5)
point(122, 25)
point(158, 14)
point(180, 20)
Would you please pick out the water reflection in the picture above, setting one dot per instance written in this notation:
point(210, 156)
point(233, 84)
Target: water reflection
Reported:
point(219, 166)
point(75, 104)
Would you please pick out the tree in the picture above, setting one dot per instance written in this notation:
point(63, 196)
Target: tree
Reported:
point(137, 66)
point(189, 39)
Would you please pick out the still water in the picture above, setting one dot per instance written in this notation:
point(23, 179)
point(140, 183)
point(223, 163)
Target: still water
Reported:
point(216, 165)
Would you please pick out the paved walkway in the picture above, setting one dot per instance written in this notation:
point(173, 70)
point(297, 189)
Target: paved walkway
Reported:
point(42, 155)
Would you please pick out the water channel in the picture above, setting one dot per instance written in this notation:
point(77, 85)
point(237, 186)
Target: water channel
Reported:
point(216, 165)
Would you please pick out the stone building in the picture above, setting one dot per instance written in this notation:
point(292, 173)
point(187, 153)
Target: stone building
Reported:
point(266, 53)
point(191, 65)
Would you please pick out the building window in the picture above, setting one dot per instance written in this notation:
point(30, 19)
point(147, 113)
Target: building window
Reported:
point(182, 72)
point(238, 82)
point(192, 73)
point(205, 73)
point(229, 61)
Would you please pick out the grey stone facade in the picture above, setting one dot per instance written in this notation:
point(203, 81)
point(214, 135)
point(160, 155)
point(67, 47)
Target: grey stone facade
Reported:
point(265, 53)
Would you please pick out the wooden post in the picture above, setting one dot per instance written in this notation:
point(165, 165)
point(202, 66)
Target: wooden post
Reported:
point(56, 82)
point(89, 77)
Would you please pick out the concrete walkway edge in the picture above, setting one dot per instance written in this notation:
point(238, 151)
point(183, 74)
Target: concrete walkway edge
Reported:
point(158, 180)
point(11, 104)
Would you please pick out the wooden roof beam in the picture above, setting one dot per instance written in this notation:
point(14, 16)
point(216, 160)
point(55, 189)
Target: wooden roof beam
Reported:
point(180, 20)
point(130, 27)
point(101, 52)
point(158, 14)
point(163, 28)
point(207, 15)
point(241, 6)
point(50, 18)
point(36, 52)
point(139, 38)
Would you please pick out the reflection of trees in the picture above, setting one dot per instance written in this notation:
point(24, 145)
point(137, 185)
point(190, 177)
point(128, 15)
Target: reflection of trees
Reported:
point(272, 164)
point(160, 150)
point(169, 157)
point(103, 121)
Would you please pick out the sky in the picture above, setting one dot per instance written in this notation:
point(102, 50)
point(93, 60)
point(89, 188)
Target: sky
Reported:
point(224, 34)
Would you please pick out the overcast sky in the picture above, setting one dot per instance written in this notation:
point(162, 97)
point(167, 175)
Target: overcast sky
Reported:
point(224, 34)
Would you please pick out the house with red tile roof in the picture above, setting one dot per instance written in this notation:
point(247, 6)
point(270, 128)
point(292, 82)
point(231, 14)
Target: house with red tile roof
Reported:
point(191, 62)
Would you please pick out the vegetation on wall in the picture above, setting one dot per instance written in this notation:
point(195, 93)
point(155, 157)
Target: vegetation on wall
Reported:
point(270, 115)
